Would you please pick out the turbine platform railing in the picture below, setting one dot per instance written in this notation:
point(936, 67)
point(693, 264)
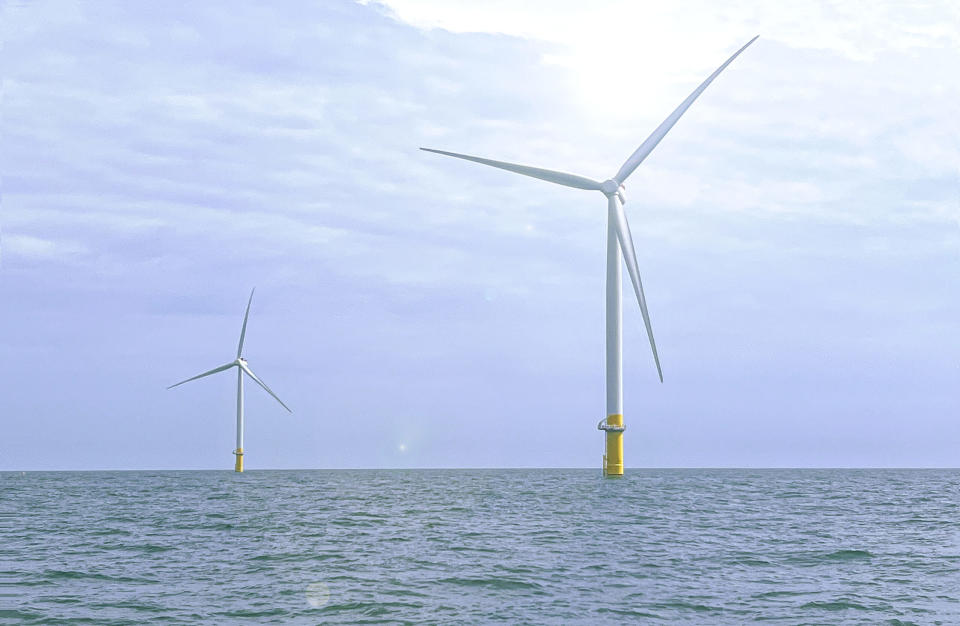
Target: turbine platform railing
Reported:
point(603, 425)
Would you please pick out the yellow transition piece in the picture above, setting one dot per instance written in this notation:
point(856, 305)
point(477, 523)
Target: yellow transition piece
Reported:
point(613, 459)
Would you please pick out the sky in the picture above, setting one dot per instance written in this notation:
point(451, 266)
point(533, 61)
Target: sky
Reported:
point(798, 233)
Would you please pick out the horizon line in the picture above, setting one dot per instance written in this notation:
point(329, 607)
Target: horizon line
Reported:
point(368, 469)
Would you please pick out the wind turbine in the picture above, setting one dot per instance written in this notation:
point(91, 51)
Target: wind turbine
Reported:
point(619, 241)
point(242, 368)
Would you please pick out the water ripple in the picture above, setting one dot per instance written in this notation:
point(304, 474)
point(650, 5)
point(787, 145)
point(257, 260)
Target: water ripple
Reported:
point(481, 546)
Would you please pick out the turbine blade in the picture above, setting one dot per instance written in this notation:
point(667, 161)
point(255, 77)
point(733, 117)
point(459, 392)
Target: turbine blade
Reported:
point(619, 218)
point(560, 178)
point(250, 373)
point(647, 146)
point(213, 371)
point(243, 330)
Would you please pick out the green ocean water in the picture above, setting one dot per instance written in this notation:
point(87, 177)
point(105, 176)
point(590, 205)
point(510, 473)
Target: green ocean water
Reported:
point(480, 546)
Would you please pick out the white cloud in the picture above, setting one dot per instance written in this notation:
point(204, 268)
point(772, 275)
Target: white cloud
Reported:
point(164, 157)
point(37, 249)
point(872, 76)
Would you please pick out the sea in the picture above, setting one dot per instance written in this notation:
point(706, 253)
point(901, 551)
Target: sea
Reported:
point(511, 546)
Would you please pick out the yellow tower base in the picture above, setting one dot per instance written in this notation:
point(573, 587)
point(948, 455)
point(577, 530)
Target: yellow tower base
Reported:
point(613, 458)
point(239, 466)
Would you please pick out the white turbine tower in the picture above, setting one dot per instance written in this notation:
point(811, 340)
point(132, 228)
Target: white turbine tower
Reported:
point(619, 241)
point(242, 368)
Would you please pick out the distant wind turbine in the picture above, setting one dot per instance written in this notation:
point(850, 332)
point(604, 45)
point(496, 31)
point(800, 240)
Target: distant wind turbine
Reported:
point(619, 241)
point(242, 368)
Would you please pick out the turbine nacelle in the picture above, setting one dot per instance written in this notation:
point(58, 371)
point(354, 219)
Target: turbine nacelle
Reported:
point(612, 186)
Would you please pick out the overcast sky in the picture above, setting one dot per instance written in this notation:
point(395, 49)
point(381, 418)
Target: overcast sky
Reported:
point(798, 233)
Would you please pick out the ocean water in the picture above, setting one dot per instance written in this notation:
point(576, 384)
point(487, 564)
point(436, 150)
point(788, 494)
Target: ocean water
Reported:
point(480, 546)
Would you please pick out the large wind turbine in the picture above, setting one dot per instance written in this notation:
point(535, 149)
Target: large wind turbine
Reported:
point(619, 241)
point(242, 368)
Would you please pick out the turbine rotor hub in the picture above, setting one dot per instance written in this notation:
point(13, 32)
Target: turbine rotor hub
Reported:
point(611, 186)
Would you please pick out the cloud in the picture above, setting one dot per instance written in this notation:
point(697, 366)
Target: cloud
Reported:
point(37, 249)
point(161, 159)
